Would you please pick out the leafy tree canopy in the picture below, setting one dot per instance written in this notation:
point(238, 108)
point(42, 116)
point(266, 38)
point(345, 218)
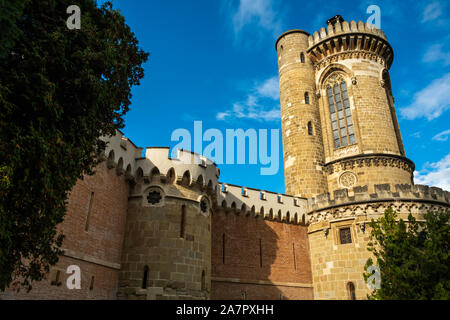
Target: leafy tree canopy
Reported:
point(60, 90)
point(413, 256)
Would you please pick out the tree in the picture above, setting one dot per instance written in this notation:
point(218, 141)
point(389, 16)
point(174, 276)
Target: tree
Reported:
point(60, 91)
point(413, 256)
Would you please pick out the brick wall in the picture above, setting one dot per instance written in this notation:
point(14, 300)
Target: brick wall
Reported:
point(262, 258)
point(97, 250)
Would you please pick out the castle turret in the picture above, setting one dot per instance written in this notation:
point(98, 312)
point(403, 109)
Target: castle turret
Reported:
point(348, 134)
point(166, 250)
point(300, 117)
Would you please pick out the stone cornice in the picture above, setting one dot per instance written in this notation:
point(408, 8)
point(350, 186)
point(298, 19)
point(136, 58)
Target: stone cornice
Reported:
point(375, 207)
point(368, 160)
point(354, 45)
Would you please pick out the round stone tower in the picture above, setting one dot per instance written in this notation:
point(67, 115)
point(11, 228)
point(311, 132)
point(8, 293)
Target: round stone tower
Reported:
point(167, 244)
point(340, 129)
point(353, 150)
point(300, 117)
point(361, 136)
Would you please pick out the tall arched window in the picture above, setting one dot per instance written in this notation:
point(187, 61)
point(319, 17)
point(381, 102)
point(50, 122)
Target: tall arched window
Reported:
point(306, 98)
point(302, 57)
point(341, 115)
point(351, 291)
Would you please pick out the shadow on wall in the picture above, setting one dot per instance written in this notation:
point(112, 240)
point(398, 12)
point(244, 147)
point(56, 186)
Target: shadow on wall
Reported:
point(258, 258)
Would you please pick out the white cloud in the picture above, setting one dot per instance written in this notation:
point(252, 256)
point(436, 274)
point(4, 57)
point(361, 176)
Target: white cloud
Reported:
point(259, 12)
point(253, 107)
point(245, 111)
point(431, 101)
point(435, 53)
point(269, 88)
point(432, 11)
point(416, 134)
point(436, 174)
point(443, 136)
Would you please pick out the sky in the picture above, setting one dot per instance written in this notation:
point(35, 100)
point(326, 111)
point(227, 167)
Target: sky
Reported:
point(214, 61)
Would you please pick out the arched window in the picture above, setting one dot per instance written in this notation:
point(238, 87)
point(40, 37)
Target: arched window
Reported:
point(310, 128)
point(351, 291)
point(145, 278)
point(340, 113)
point(306, 98)
point(302, 57)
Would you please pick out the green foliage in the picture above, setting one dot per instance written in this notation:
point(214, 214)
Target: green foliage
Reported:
point(413, 256)
point(60, 90)
point(10, 13)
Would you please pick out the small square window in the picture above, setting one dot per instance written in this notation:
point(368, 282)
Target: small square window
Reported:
point(345, 235)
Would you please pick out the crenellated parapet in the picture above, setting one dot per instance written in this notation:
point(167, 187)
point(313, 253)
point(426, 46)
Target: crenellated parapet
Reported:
point(406, 198)
point(260, 203)
point(349, 40)
point(188, 167)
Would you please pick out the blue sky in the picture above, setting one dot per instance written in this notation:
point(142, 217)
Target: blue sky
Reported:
point(214, 61)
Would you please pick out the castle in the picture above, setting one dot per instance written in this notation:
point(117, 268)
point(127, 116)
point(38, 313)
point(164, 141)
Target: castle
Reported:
point(156, 227)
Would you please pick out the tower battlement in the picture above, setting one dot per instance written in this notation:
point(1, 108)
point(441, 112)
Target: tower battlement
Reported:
point(344, 27)
point(383, 193)
point(268, 205)
point(188, 166)
point(348, 37)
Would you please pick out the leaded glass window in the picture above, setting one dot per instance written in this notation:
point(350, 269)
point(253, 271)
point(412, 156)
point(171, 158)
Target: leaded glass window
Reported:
point(345, 235)
point(340, 113)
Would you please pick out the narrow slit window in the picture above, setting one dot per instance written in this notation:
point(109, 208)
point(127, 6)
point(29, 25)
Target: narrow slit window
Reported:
point(223, 248)
point(310, 128)
point(88, 217)
point(351, 291)
point(293, 254)
point(306, 98)
point(56, 281)
point(183, 221)
point(302, 57)
point(145, 278)
point(340, 114)
point(91, 285)
point(203, 280)
point(260, 253)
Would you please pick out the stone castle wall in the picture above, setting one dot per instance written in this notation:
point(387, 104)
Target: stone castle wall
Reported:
point(171, 239)
point(335, 265)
